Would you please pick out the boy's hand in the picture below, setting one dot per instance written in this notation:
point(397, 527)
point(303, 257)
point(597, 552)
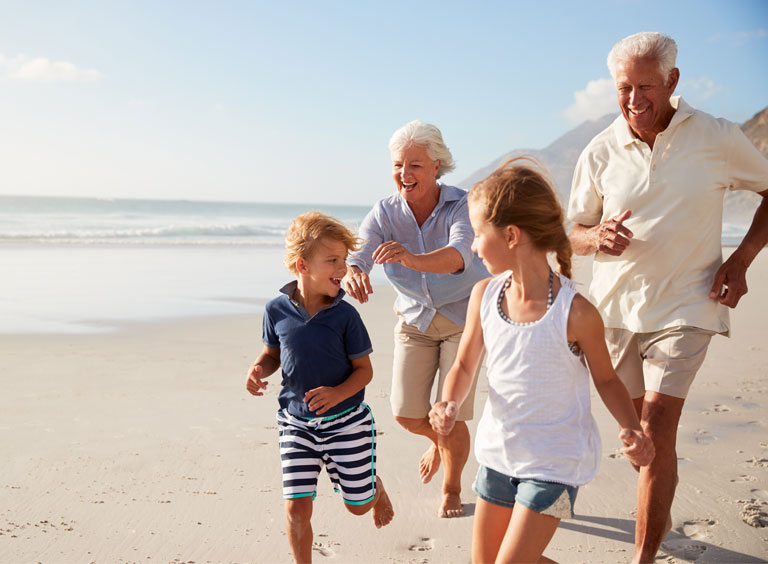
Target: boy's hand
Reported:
point(638, 448)
point(256, 383)
point(321, 399)
point(443, 415)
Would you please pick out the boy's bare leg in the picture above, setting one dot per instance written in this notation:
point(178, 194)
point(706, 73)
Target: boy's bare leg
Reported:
point(381, 505)
point(298, 514)
point(453, 451)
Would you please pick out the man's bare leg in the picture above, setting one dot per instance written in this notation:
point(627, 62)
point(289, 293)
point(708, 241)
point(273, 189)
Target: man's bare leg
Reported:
point(657, 481)
point(453, 451)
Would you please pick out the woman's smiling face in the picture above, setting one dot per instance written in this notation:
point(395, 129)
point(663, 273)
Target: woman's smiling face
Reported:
point(414, 172)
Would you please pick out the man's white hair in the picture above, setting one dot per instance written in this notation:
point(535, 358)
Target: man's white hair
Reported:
point(648, 44)
point(424, 135)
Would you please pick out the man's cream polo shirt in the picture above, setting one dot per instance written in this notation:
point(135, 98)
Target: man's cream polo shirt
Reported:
point(675, 193)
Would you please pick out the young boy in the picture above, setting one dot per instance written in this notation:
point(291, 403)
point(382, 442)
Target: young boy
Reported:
point(323, 348)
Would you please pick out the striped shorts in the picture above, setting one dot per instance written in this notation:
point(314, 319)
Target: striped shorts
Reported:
point(344, 443)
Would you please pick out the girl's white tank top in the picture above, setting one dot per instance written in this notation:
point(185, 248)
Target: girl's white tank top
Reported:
point(537, 421)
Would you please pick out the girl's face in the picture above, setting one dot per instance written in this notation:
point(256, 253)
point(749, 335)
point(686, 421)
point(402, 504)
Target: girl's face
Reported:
point(491, 243)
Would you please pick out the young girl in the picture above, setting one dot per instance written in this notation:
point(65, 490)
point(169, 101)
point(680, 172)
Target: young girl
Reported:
point(536, 441)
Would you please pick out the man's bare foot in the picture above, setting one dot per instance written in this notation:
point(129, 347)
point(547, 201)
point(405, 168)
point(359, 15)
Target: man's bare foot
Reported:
point(451, 506)
point(429, 464)
point(382, 511)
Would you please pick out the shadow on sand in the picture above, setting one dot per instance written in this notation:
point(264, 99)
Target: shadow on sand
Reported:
point(676, 544)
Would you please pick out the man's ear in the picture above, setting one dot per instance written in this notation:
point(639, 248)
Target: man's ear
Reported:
point(674, 78)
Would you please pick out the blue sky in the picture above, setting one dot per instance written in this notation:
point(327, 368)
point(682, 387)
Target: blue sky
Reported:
point(296, 100)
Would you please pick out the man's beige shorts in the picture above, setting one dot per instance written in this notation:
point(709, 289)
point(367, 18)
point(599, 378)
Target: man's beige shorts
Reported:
point(664, 361)
point(419, 357)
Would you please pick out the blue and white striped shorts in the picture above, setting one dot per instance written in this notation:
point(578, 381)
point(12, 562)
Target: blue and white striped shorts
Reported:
point(344, 443)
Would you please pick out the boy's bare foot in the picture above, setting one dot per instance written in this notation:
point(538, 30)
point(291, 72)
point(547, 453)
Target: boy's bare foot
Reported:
point(382, 511)
point(429, 464)
point(451, 506)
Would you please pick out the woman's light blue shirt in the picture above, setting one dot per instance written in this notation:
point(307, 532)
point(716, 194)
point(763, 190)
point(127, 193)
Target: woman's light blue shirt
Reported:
point(422, 294)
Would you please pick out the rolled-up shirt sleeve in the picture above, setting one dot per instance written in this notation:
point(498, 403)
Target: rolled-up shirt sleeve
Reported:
point(461, 235)
point(372, 234)
point(585, 205)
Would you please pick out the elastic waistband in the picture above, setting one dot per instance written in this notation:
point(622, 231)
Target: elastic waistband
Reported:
point(329, 418)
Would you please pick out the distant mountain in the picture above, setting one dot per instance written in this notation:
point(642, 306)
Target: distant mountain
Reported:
point(560, 159)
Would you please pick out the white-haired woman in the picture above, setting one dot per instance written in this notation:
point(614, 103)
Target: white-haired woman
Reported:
point(422, 237)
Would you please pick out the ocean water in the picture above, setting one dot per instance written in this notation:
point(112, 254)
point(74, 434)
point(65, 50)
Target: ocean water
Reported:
point(79, 265)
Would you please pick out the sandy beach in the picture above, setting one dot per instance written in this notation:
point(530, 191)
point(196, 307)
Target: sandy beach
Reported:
point(142, 445)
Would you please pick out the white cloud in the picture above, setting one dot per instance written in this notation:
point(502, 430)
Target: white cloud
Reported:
point(739, 37)
point(699, 89)
point(41, 69)
point(596, 100)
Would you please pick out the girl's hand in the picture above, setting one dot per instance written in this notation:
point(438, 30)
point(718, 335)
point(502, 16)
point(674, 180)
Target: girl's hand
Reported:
point(321, 399)
point(443, 415)
point(638, 448)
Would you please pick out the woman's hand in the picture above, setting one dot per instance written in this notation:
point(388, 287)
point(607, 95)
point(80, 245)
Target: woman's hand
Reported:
point(357, 284)
point(442, 416)
point(638, 448)
point(392, 251)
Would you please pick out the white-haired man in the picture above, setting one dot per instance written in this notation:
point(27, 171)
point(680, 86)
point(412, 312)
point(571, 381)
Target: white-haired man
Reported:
point(647, 200)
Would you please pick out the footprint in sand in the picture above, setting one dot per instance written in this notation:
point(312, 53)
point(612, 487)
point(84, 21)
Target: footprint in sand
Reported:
point(323, 550)
point(704, 438)
point(721, 408)
point(697, 529)
point(744, 478)
point(756, 462)
point(754, 512)
point(684, 549)
point(424, 544)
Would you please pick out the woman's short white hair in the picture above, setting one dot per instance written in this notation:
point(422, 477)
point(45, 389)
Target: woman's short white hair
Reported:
point(424, 135)
point(650, 44)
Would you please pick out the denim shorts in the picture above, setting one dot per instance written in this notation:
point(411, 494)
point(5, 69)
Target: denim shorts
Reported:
point(547, 498)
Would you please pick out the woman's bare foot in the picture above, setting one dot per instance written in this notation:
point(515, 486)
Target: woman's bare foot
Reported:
point(451, 506)
point(429, 464)
point(382, 511)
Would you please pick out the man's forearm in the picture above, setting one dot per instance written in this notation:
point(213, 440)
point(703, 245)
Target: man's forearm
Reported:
point(582, 240)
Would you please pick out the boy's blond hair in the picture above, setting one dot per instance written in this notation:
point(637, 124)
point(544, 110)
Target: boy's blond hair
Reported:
point(307, 229)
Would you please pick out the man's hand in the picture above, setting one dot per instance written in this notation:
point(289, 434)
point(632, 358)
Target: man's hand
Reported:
point(443, 415)
point(611, 237)
point(255, 383)
point(322, 399)
point(730, 281)
point(357, 284)
point(638, 448)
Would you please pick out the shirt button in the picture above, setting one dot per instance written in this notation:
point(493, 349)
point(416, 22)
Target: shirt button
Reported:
point(423, 275)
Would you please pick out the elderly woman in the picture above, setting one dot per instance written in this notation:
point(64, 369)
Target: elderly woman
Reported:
point(422, 237)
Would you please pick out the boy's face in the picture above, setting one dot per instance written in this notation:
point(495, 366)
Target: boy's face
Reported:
point(325, 268)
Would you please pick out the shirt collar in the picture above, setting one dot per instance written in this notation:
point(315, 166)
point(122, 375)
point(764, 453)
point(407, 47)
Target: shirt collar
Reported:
point(624, 133)
point(290, 288)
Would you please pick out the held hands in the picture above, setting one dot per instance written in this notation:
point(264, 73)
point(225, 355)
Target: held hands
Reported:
point(392, 251)
point(357, 284)
point(611, 237)
point(730, 281)
point(255, 383)
point(638, 448)
point(321, 399)
point(443, 415)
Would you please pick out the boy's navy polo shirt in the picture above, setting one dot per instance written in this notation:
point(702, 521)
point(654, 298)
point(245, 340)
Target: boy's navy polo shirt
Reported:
point(314, 351)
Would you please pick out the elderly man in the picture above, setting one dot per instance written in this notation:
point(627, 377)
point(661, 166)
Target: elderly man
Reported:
point(647, 201)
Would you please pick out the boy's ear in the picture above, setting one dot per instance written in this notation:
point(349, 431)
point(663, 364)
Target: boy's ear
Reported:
point(301, 266)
